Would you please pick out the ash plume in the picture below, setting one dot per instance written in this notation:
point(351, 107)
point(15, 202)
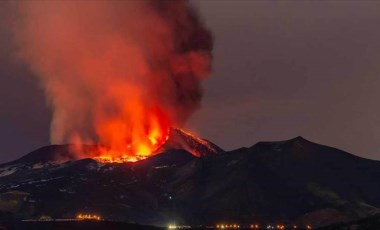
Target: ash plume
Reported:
point(115, 71)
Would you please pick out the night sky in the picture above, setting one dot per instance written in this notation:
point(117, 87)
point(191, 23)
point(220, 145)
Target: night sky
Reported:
point(281, 69)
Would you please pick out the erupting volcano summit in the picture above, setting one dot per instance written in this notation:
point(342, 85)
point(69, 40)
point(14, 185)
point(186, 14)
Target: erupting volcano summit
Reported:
point(116, 73)
point(176, 139)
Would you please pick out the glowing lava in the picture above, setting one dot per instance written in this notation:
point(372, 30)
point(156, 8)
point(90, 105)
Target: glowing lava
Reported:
point(113, 156)
point(143, 146)
point(174, 138)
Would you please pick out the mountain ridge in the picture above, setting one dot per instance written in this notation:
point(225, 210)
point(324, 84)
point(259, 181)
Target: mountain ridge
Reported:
point(293, 181)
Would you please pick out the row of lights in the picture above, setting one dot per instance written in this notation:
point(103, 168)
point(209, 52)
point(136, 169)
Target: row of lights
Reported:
point(252, 226)
point(256, 226)
point(88, 217)
point(223, 226)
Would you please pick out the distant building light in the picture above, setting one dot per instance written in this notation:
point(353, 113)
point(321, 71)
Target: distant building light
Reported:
point(88, 217)
point(173, 226)
point(255, 226)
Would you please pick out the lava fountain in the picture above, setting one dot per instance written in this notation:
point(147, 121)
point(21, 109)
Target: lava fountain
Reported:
point(117, 74)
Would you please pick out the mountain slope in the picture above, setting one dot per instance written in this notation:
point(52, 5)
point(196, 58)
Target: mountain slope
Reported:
point(294, 181)
point(179, 139)
point(275, 181)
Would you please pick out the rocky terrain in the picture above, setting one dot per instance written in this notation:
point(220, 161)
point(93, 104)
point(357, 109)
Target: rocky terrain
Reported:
point(292, 182)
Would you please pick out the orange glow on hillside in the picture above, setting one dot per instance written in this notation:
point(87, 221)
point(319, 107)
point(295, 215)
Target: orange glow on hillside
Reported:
point(141, 140)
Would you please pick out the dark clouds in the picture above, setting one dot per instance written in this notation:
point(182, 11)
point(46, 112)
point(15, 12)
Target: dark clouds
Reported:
point(281, 69)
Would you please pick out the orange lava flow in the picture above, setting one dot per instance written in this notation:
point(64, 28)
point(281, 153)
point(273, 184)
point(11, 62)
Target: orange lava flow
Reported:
point(140, 141)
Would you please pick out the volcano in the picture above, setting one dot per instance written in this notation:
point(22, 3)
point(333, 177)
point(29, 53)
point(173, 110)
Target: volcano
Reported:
point(178, 139)
point(194, 182)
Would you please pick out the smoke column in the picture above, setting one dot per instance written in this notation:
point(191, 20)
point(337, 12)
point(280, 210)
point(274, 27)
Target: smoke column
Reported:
point(117, 73)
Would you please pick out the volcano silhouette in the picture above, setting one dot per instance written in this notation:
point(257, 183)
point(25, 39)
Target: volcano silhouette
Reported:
point(192, 181)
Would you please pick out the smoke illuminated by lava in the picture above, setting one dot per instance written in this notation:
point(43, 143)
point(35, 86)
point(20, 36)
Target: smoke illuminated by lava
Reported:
point(117, 73)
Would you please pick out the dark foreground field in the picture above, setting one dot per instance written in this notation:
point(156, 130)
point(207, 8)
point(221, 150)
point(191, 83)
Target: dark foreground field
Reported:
point(371, 223)
point(73, 225)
